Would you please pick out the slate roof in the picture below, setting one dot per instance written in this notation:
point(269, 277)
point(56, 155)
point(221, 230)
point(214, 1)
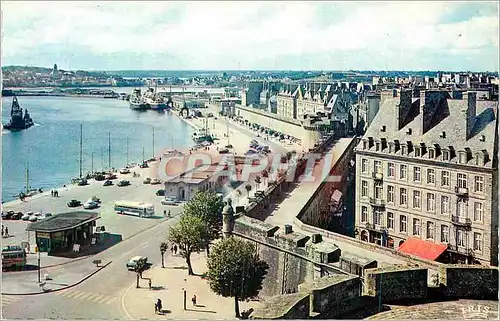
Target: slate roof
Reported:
point(63, 221)
point(453, 125)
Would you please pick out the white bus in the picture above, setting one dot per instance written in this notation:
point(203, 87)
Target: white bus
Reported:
point(135, 208)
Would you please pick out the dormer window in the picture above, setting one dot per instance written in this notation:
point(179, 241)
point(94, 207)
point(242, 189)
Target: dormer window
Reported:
point(377, 146)
point(462, 157)
point(431, 153)
point(446, 155)
point(391, 147)
point(478, 159)
point(417, 151)
point(403, 149)
point(365, 144)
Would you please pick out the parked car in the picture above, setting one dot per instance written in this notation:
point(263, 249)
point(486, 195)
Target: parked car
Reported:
point(7, 215)
point(74, 203)
point(111, 176)
point(147, 180)
point(44, 216)
point(160, 192)
point(144, 165)
point(169, 201)
point(26, 216)
point(133, 262)
point(123, 183)
point(90, 204)
point(155, 181)
point(35, 217)
point(108, 183)
point(125, 170)
point(82, 182)
point(99, 177)
point(17, 216)
point(223, 151)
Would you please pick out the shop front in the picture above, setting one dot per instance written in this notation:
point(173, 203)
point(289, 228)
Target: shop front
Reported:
point(64, 232)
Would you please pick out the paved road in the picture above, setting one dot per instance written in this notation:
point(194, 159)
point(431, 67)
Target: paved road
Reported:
point(98, 297)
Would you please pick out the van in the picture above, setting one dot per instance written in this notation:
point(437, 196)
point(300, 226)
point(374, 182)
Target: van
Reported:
point(131, 265)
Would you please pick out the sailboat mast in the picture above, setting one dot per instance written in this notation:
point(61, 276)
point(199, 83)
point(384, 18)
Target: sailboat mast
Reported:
point(143, 154)
point(153, 141)
point(81, 148)
point(127, 150)
point(92, 166)
point(109, 150)
point(27, 176)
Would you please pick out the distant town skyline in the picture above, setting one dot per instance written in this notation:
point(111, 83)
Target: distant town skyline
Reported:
point(252, 35)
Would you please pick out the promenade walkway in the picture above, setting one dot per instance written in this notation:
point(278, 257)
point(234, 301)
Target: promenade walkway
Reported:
point(168, 284)
point(286, 211)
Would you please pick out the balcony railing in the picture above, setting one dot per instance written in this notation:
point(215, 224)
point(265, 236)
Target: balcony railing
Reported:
point(460, 250)
point(462, 221)
point(377, 202)
point(377, 176)
point(461, 191)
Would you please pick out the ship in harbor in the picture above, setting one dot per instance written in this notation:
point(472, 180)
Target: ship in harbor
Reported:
point(155, 101)
point(18, 119)
point(137, 101)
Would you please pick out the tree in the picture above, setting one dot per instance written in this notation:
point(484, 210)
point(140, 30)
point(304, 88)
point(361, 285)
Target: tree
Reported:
point(235, 270)
point(190, 235)
point(163, 249)
point(248, 187)
point(139, 268)
point(207, 205)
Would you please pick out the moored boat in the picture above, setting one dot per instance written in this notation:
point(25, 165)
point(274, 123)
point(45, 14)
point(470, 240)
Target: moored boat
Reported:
point(18, 121)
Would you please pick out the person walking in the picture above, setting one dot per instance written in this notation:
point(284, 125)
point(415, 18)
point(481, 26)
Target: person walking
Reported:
point(194, 300)
point(168, 213)
point(149, 283)
point(175, 249)
point(158, 303)
point(52, 192)
point(6, 231)
point(156, 307)
point(3, 230)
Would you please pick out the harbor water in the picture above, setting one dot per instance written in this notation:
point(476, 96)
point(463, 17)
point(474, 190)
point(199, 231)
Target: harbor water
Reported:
point(51, 148)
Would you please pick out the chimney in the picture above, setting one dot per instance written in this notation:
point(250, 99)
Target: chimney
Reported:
point(469, 109)
point(288, 229)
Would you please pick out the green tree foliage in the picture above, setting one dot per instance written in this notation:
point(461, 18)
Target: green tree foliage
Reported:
point(139, 268)
point(235, 270)
point(190, 235)
point(163, 249)
point(207, 205)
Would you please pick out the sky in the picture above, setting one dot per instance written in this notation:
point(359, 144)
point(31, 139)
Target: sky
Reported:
point(245, 35)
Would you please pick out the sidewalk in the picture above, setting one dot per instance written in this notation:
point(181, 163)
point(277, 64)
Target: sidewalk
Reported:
point(61, 277)
point(167, 285)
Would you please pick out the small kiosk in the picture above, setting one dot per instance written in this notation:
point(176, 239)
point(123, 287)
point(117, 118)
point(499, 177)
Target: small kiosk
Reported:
point(64, 232)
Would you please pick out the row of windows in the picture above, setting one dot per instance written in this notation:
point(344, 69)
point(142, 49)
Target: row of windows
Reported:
point(480, 158)
point(430, 175)
point(429, 201)
point(460, 236)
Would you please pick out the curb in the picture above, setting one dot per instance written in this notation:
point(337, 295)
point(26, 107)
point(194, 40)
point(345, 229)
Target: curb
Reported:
point(91, 255)
point(66, 287)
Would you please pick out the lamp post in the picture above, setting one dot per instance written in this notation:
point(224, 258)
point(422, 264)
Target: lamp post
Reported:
point(38, 257)
point(185, 294)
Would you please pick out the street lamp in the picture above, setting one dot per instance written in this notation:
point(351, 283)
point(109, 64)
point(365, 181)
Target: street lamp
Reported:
point(38, 257)
point(185, 293)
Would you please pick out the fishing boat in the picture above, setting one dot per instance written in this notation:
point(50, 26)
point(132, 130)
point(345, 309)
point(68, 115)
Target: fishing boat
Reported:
point(137, 101)
point(18, 121)
point(28, 190)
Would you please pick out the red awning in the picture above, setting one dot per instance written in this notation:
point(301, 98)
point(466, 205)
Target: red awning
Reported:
point(422, 249)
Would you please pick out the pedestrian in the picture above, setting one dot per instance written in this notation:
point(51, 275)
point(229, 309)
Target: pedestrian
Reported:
point(168, 213)
point(149, 284)
point(158, 303)
point(156, 307)
point(194, 300)
point(172, 249)
point(6, 231)
point(3, 230)
point(164, 213)
point(175, 249)
point(52, 193)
